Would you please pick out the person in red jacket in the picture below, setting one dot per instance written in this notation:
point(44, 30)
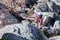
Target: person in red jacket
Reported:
point(39, 21)
point(38, 18)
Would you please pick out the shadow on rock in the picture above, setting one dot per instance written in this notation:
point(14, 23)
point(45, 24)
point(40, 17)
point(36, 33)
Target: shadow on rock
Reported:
point(10, 36)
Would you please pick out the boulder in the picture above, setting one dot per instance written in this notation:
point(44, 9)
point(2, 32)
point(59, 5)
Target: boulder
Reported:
point(42, 6)
point(43, 1)
point(10, 3)
point(46, 20)
point(58, 17)
point(13, 4)
point(55, 38)
point(30, 3)
point(56, 25)
point(21, 31)
point(56, 1)
point(53, 7)
point(48, 7)
point(6, 18)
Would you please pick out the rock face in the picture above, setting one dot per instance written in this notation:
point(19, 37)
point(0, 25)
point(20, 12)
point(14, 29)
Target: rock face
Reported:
point(16, 4)
point(58, 18)
point(43, 0)
point(48, 7)
point(56, 1)
point(42, 7)
point(5, 17)
point(30, 3)
point(55, 38)
point(57, 25)
point(53, 7)
point(13, 4)
point(21, 31)
point(12, 9)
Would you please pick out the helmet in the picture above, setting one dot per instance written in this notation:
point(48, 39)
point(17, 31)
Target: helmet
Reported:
point(39, 15)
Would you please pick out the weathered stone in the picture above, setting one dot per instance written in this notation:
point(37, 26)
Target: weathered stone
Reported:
point(55, 38)
point(21, 31)
point(43, 0)
point(56, 25)
point(43, 7)
point(46, 20)
point(30, 3)
point(56, 1)
point(48, 7)
point(6, 18)
point(13, 4)
point(53, 7)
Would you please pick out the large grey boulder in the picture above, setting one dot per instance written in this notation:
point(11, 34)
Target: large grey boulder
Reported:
point(59, 17)
point(56, 27)
point(30, 2)
point(43, 1)
point(13, 4)
point(42, 7)
point(48, 7)
point(10, 3)
point(5, 16)
point(21, 31)
point(55, 38)
point(56, 1)
point(53, 7)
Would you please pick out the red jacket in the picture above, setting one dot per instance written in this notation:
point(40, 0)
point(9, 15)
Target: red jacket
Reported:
point(40, 21)
point(37, 18)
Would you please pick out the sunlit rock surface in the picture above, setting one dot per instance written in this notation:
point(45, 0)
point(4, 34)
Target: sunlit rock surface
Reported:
point(57, 25)
point(43, 0)
point(56, 1)
point(48, 7)
point(25, 31)
point(55, 38)
point(21, 31)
